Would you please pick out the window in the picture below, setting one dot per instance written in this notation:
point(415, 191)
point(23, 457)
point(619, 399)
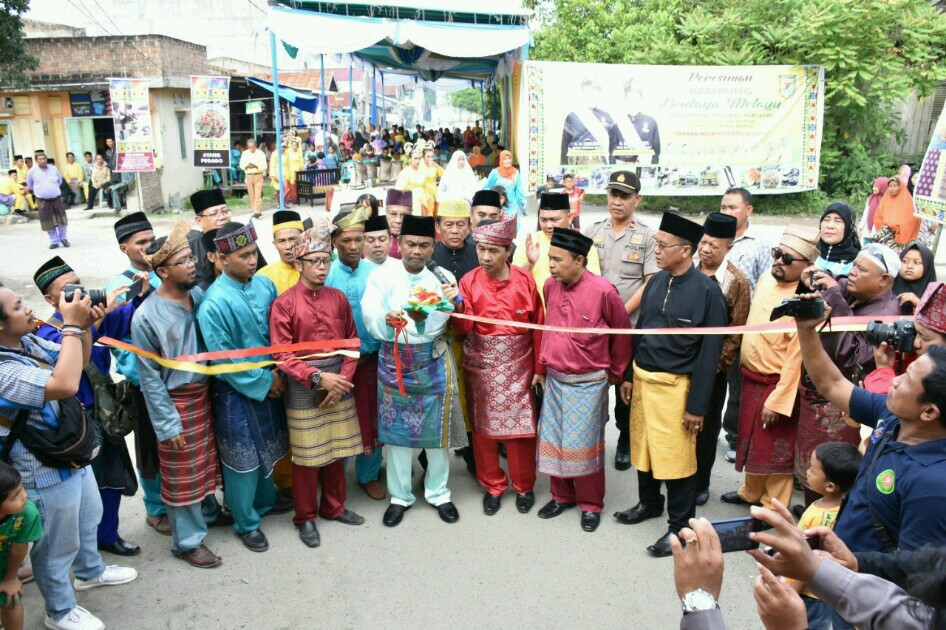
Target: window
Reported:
point(181, 135)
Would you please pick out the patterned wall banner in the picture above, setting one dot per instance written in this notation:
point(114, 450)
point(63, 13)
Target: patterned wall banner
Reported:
point(210, 115)
point(686, 130)
point(131, 113)
point(929, 192)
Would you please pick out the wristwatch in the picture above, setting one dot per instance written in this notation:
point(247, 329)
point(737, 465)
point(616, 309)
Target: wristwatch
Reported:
point(316, 379)
point(697, 600)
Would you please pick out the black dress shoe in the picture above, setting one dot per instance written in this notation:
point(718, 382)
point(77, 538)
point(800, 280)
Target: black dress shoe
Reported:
point(501, 447)
point(121, 548)
point(622, 457)
point(702, 497)
point(65, 243)
point(255, 540)
point(283, 504)
point(734, 499)
point(350, 518)
point(638, 514)
point(491, 503)
point(661, 548)
point(553, 508)
point(309, 534)
point(224, 519)
point(448, 512)
point(524, 502)
point(394, 514)
point(590, 521)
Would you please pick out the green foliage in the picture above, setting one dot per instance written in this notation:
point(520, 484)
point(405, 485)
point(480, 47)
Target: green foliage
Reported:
point(874, 52)
point(16, 61)
point(471, 100)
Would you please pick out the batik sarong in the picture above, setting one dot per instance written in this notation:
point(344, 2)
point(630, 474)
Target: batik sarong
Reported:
point(571, 427)
point(769, 450)
point(660, 444)
point(191, 473)
point(251, 433)
point(819, 421)
point(498, 371)
point(317, 436)
point(429, 416)
point(52, 212)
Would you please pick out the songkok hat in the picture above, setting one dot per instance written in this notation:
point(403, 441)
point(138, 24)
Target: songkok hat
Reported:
point(572, 240)
point(203, 199)
point(418, 226)
point(501, 233)
point(17, 157)
point(885, 258)
point(234, 236)
point(354, 220)
point(207, 239)
point(51, 269)
point(625, 181)
point(931, 311)
point(317, 239)
point(454, 209)
point(486, 198)
point(175, 242)
point(287, 220)
point(719, 225)
point(554, 201)
point(131, 224)
point(377, 224)
point(681, 227)
point(803, 240)
point(397, 197)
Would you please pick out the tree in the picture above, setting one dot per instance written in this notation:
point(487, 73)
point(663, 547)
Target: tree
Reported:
point(471, 100)
point(16, 61)
point(874, 52)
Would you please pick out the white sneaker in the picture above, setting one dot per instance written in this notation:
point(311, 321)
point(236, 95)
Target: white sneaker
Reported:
point(730, 455)
point(112, 576)
point(76, 619)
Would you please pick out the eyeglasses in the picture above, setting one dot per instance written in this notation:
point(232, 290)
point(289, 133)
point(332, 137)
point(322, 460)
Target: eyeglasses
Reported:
point(662, 245)
point(316, 262)
point(219, 213)
point(788, 259)
point(190, 260)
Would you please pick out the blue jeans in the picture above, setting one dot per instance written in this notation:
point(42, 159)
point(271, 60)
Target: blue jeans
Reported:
point(823, 617)
point(116, 191)
point(70, 512)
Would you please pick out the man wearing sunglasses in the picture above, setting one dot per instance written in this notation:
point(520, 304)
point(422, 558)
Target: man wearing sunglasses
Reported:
point(771, 367)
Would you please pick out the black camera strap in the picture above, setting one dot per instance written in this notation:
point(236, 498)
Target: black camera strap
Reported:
point(889, 543)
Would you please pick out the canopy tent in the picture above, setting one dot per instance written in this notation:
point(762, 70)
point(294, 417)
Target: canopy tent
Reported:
point(463, 43)
point(299, 100)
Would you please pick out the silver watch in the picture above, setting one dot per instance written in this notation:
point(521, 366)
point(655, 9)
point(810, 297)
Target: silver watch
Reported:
point(698, 600)
point(316, 379)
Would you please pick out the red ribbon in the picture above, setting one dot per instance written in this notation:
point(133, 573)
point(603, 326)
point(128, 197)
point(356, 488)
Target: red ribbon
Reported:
point(400, 328)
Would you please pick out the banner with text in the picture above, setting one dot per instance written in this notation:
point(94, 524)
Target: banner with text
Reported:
point(929, 192)
point(686, 130)
point(210, 111)
point(131, 113)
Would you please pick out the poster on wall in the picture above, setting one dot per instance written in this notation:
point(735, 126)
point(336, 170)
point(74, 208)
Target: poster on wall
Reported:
point(686, 130)
point(131, 114)
point(929, 191)
point(210, 113)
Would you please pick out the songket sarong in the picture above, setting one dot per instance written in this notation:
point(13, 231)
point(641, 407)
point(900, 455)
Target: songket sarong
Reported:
point(571, 427)
point(193, 472)
point(318, 437)
point(660, 444)
point(498, 371)
point(819, 421)
point(52, 212)
point(251, 433)
point(429, 416)
point(365, 391)
point(763, 451)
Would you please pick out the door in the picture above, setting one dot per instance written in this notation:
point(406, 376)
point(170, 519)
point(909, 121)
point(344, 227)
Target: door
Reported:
point(80, 136)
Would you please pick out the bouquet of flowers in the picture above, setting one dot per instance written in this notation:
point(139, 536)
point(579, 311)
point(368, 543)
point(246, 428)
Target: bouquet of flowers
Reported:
point(426, 302)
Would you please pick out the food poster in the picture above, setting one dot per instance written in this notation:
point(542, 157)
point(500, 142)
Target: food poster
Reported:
point(210, 113)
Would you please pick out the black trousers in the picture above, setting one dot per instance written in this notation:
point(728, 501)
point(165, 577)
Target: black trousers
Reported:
point(681, 498)
point(622, 418)
point(708, 438)
point(731, 419)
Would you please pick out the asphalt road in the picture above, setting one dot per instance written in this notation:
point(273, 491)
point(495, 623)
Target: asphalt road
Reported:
point(506, 571)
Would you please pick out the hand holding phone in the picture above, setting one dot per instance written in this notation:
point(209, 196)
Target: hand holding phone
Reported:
point(133, 290)
point(734, 533)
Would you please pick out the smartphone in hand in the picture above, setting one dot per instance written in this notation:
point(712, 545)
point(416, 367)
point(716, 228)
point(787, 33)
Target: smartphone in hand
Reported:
point(134, 289)
point(734, 533)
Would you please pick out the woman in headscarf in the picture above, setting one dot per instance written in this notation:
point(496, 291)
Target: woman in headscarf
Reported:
point(904, 174)
point(414, 177)
point(433, 172)
point(347, 140)
point(838, 244)
point(458, 180)
point(509, 178)
point(895, 215)
point(866, 226)
point(476, 157)
point(916, 273)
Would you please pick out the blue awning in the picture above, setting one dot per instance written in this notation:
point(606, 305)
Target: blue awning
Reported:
point(299, 100)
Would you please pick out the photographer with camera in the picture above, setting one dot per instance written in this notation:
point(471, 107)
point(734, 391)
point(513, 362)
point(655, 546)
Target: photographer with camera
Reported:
point(866, 291)
point(112, 467)
point(38, 383)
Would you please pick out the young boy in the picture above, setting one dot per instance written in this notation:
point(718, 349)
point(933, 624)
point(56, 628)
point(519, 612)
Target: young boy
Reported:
point(834, 467)
point(574, 199)
point(20, 525)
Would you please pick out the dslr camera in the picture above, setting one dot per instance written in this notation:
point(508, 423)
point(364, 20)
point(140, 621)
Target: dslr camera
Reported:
point(898, 335)
point(98, 296)
point(799, 308)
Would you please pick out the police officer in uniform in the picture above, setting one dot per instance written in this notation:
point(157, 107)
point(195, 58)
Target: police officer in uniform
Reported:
point(625, 248)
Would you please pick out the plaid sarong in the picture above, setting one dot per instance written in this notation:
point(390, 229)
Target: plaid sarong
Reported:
point(192, 473)
point(571, 427)
point(318, 437)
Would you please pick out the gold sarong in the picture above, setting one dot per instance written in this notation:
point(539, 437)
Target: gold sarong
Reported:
point(660, 444)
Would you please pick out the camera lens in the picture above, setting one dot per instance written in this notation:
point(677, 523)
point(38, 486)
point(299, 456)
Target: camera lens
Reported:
point(98, 297)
